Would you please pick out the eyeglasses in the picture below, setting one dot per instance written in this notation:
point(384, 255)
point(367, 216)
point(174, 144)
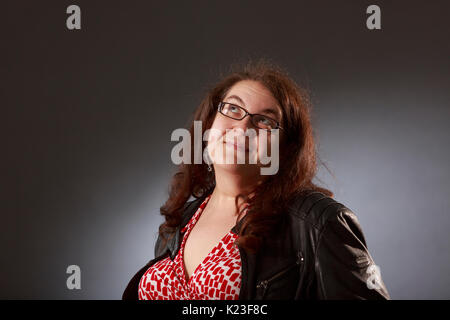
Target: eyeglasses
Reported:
point(236, 112)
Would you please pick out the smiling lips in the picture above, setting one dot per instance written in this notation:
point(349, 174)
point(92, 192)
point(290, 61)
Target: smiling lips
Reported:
point(237, 146)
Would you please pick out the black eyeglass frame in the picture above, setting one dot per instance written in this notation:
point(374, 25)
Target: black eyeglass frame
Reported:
point(221, 104)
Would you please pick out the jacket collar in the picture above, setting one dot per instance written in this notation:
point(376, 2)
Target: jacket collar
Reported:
point(173, 245)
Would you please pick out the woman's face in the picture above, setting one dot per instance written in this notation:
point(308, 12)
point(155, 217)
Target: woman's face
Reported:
point(230, 137)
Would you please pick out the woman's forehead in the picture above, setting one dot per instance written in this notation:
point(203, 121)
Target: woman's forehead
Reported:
point(253, 95)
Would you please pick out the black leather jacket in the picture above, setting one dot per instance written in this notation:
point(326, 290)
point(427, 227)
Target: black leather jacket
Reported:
point(318, 253)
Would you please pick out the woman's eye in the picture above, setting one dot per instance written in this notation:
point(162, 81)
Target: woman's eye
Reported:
point(234, 109)
point(265, 121)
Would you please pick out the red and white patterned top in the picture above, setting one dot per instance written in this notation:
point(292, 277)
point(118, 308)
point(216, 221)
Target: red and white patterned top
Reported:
point(217, 277)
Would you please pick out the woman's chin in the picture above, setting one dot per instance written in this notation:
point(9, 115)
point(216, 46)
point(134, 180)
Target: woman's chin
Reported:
point(242, 169)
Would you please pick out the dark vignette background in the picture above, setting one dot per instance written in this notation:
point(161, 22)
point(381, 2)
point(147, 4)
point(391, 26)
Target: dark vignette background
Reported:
point(87, 116)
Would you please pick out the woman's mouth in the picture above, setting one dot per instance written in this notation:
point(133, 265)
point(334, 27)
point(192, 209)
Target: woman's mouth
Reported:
point(236, 146)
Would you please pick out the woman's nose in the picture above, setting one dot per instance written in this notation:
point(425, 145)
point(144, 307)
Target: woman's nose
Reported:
point(244, 124)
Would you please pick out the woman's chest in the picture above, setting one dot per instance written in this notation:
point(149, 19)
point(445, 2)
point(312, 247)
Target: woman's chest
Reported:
point(206, 238)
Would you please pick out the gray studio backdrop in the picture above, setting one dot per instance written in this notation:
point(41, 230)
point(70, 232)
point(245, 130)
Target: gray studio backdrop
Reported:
point(87, 117)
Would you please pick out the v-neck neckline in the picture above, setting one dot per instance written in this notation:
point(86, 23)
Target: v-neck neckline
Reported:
point(213, 250)
point(190, 226)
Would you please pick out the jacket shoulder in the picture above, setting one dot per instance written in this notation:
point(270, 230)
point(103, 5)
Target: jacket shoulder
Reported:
point(131, 291)
point(316, 208)
point(172, 239)
point(342, 265)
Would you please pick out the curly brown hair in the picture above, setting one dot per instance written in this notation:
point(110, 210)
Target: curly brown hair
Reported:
point(297, 168)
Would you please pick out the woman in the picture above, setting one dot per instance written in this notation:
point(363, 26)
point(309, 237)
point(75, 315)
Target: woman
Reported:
point(248, 235)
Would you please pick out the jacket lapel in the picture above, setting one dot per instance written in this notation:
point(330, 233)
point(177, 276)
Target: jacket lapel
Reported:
point(173, 245)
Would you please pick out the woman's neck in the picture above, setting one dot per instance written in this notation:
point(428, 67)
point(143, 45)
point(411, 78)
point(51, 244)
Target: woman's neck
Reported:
point(230, 190)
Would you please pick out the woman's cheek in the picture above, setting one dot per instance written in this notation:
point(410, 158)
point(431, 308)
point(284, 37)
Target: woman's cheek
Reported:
point(265, 151)
point(215, 145)
point(261, 148)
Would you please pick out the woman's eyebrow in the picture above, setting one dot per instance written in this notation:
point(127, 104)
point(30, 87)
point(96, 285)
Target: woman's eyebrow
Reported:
point(271, 111)
point(267, 110)
point(235, 97)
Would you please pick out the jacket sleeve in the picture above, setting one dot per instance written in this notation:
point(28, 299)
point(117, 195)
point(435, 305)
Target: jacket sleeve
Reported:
point(343, 265)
